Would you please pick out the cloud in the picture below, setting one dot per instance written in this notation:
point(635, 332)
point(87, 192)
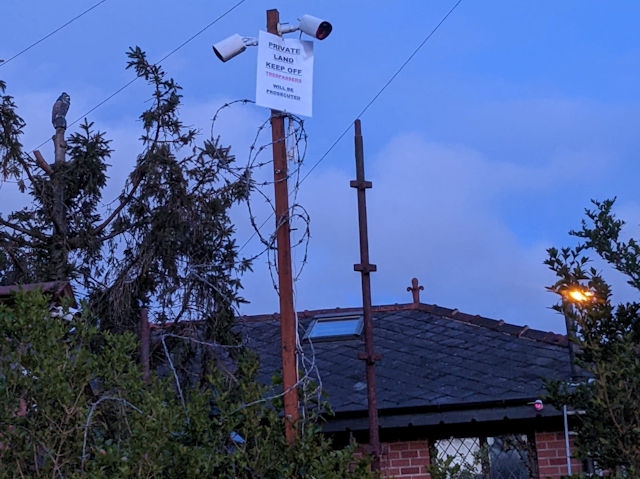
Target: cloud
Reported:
point(436, 218)
point(447, 213)
point(432, 215)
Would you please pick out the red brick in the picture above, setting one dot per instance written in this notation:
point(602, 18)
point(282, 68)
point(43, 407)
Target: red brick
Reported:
point(394, 455)
point(420, 461)
point(552, 455)
point(409, 470)
point(400, 446)
point(424, 452)
point(391, 471)
point(409, 453)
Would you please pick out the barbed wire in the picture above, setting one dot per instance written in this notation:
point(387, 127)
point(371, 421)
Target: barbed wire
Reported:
point(309, 383)
point(88, 422)
point(296, 147)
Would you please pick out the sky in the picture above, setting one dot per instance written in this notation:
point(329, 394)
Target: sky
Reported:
point(484, 144)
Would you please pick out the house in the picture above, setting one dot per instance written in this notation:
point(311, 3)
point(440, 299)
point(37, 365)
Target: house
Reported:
point(448, 384)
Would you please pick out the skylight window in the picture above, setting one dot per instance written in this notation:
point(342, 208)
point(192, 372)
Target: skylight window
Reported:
point(335, 327)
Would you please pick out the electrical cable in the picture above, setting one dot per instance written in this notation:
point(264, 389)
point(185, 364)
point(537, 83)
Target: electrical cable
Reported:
point(202, 30)
point(408, 60)
point(384, 87)
point(52, 33)
point(126, 85)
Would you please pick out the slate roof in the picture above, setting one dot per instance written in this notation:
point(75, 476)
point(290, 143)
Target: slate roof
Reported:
point(57, 290)
point(437, 365)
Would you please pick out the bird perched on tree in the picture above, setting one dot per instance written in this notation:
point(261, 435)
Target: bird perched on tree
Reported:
point(59, 111)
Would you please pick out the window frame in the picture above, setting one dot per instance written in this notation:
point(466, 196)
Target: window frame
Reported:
point(486, 461)
point(355, 332)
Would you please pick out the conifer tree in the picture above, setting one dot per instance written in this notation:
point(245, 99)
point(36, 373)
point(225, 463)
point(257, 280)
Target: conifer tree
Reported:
point(167, 242)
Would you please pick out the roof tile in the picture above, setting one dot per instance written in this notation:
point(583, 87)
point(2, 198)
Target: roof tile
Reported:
point(430, 355)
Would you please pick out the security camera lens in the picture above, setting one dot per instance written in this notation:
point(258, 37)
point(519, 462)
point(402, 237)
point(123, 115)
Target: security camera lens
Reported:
point(324, 29)
point(218, 54)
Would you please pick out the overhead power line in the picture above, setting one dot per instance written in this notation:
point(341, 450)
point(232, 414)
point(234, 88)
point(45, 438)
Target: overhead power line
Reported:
point(171, 52)
point(221, 16)
point(384, 87)
point(52, 33)
point(180, 46)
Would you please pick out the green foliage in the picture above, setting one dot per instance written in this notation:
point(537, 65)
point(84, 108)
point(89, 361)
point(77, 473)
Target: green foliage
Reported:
point(450, 468)
point(179, 250)
point(606, 388)
point(11, 126)
point(73, 404)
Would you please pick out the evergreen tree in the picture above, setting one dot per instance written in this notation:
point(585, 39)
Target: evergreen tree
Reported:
point(167, 243)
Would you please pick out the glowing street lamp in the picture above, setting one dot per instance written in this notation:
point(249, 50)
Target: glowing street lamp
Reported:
point(574, 295)
point(579, 295)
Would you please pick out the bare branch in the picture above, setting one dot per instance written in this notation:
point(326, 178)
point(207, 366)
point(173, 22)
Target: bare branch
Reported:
point(29, 232)
point(123, 202)
point(41, 163)
point(15, 260)
point(90, 415)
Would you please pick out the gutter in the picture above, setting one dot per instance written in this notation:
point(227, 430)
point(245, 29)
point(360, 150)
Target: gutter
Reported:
point(478, 412)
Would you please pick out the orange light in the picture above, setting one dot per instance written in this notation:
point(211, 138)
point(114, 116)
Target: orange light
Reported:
point(580, 295)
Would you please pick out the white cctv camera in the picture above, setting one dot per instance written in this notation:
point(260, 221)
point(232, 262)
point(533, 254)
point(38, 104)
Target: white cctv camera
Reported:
point(234, 45)
point(315, 26)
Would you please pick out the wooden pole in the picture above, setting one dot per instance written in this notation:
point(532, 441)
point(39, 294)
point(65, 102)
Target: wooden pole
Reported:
point(145, 344)
point(288, 331)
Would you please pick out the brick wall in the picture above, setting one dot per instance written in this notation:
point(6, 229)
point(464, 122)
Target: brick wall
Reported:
point(405, 460)
point(410, 459)
point(552, 456)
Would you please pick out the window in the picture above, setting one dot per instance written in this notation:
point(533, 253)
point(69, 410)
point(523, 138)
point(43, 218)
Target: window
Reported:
point(335, 327)
point(501, 457)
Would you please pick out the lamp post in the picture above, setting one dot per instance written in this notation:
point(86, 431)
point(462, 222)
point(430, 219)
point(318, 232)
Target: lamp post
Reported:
point(571, 296)
point(225, 50)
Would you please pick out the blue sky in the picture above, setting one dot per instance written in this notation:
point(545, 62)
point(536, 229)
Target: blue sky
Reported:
point(483, 151)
